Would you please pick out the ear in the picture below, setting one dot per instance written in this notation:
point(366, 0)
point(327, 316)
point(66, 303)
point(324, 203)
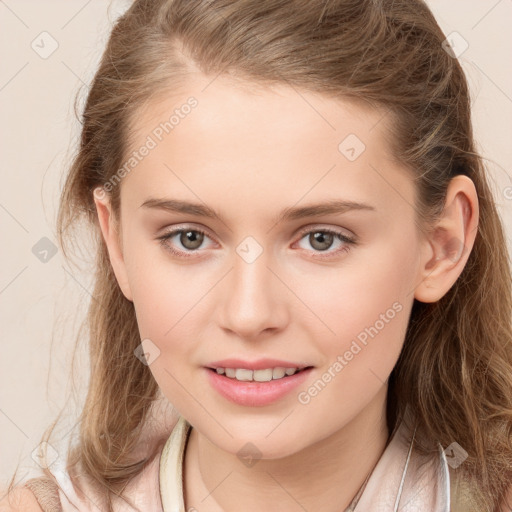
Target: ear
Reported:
point(111, 235)
point(448, 245)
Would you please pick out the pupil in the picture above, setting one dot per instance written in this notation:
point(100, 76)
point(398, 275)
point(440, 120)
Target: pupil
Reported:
point(191, 237)
point(325, 240)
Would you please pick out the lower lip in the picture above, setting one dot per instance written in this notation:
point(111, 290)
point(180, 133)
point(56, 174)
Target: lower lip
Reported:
point(255, 394)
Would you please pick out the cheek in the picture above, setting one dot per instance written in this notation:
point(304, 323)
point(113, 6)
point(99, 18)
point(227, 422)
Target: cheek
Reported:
point(169, 309)
point(173, 309)
point(164, 293)
point(366, 303)
point(367, 307)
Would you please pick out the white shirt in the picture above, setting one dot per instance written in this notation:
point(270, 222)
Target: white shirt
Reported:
point(402, 480)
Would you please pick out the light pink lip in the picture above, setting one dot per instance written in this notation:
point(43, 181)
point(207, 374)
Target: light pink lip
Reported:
point(255, 394)
point(259, 364)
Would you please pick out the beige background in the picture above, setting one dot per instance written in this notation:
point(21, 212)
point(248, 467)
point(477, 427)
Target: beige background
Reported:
point(43, 303)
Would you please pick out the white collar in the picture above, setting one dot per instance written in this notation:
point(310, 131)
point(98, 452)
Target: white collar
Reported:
point(402, 480)
point(171, 467)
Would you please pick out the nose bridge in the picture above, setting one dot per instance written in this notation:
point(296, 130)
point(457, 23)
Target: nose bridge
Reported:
point(251, 302)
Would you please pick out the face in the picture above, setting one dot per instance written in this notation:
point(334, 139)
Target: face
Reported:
point(267, 276)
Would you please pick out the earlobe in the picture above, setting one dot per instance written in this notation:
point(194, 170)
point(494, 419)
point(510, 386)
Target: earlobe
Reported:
point(449, 244)
point(111, 236)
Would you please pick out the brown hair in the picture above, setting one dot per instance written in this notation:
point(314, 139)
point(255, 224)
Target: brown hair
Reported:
point(455, 369)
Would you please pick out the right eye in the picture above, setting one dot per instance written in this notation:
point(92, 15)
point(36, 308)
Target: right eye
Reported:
point(189, 238)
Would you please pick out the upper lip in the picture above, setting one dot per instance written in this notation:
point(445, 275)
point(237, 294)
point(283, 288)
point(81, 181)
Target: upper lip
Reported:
point(259, 364)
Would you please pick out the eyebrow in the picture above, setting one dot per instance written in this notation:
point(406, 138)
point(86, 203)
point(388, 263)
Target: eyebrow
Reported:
point(335, 206)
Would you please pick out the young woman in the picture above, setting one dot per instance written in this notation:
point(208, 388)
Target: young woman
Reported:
point(298, 250)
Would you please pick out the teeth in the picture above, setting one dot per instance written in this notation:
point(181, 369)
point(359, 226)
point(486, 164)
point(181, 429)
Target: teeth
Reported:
point(278, 373)
point(243, 374)
point(265, 375)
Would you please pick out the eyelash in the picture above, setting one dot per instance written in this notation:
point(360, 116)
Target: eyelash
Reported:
point(189, 254)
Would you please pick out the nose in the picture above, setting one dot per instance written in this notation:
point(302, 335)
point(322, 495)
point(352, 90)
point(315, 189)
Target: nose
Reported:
point(254, 299)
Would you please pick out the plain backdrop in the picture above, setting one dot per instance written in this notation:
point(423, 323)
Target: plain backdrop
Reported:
point(49, 50)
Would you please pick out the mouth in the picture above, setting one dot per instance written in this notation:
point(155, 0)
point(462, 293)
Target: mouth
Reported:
point(263, 375)
point(244, 391)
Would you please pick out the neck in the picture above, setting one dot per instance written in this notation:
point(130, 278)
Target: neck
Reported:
point(324, 476)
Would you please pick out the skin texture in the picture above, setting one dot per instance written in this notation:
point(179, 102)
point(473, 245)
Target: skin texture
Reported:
point(250, 154)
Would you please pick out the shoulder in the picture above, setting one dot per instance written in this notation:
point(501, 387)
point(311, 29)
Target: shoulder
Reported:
point(20, 499)
point(459, 491)
point(39, 494)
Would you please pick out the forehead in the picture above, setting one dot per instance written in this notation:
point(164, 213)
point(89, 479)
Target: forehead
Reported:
point(280, 142)
point(250, 107)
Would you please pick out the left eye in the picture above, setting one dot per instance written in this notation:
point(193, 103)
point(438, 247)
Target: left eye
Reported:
point(322, 239)
point(191, 239)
